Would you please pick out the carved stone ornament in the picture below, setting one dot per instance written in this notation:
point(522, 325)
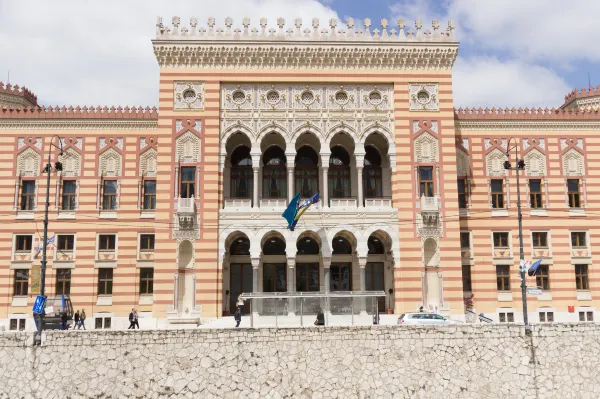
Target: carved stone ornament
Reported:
point(495, 163)
point(426, 148)
point(187, 148)
point(423, 97)
point(462, 163)
point(71, 161)
point(573, 163)
point(110, 163)
point(148, 163)
point(188, 95)
point(535, 163)
point(28, 163)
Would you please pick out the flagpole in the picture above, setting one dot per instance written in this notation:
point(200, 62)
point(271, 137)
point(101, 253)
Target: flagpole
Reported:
point(48, 170)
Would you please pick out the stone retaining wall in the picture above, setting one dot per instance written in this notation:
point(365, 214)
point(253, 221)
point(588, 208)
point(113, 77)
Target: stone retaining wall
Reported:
point(466, 361)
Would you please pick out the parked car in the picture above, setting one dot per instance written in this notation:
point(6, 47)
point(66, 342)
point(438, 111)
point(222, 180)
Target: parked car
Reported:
point(425, 319)
point(58, 305)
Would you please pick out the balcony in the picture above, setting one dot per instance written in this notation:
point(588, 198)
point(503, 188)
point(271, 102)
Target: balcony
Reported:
point(238, 203)
point(428, 219)
point(64, 256)
point(343, 203)
point(378, 203)
point(273, 203)
point(430, 204)
point(580, 253)
point(186, 212)
point(502, 256)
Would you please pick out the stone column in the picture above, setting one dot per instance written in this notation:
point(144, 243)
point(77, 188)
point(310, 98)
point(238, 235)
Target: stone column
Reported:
point(291, 285)
point(255, 187)
point(290, 182)
point(325, 196)
point(359, 173)
point(327, 284)
point(176, 182)
point(362, 264)
point(255, 306)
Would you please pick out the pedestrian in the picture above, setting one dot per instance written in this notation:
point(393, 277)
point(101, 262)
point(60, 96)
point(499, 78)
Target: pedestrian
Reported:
point(76, 319)
point(421, 309)
point(82, 319)
point(437, 311)
point(136, 319)
point(240, 304)
point(237, 316)
point(320, 321)
point(375, 319)
point(63, 321)
point(131, 320)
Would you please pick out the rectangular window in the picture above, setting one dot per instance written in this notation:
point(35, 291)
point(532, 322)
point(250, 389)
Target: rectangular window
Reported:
point(462, 194)
point(542, 278)
point(149, 194)
point(65, 243)
point(501, 240)
point(466, 278)
point(105, 281)
point(21, 283)
point(102, 323)
point(586, 316)
point(69, 195)
point(426, 181)
point(109, 195)
point(573, 193)
point(146, 281)
point(540, 239)
point(578, 239)
point(147, 242)
point(503, 277)
point(274, 277)
point(23, 243)
point(17, 324)
point(546, 317)
point(465, 240)
point(307, 277)
point(63, 281)
point(581, 277)
point(27, 195)
point(107, 242)
point(497, 186)
point(535, 193)
point(506, 317)
point(188, 182)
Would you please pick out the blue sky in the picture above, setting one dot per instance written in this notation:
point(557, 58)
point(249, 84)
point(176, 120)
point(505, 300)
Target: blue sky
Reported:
point(512, 52)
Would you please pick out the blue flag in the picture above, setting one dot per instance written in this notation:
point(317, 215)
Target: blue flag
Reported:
point(534, 268)
point(294, 210)
point(39, 248)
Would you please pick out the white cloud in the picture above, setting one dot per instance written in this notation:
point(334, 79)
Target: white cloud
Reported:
point(489, 82)
point(99, 52)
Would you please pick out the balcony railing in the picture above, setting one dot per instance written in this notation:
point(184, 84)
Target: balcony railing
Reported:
point(580, 252)
point(378, 202)
point(64, 255)
point(186, 205)
point(430, 204)
point(238, 203)
point(273, 203)
point(502, 252)
point(343, 203)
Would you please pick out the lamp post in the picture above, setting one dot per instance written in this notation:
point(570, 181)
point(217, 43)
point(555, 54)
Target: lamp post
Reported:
point(519, 165)
point(48, 171)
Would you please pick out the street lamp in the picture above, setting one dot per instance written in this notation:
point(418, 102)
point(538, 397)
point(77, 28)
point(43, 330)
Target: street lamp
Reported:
point(519, 165)
point(48, 170)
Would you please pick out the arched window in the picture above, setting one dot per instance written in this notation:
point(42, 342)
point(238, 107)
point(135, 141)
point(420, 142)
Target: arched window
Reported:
point(375, 246)
point(241, 173)
point(339, 173)
point(240, 246)
point(307, 246)
point(306, 172)
point(274, 246)
point(274, 180)
point(372, 173)
point(341, 246)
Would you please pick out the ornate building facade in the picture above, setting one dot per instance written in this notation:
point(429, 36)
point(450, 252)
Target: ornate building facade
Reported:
point(177, 211)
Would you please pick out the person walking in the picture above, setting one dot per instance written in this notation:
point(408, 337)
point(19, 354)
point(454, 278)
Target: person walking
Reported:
point(82, 319)
point(63, 321)
point(131, 320)
point(76, 319)
point(237, 317)
point(240, 304)
point(136, 319)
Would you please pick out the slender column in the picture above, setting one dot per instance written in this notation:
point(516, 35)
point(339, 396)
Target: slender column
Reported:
point(255, 187)
point(290, 183)
point(359, 173)
point(255, 302)
point(176, 181)
point(362, 264)
point(584, 187)
point(325, 193)
point(291, 285)
point(326, 278)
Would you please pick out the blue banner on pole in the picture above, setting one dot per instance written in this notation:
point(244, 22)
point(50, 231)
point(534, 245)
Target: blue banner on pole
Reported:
point(39, 304)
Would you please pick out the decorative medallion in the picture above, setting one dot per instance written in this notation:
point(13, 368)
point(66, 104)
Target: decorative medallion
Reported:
point(188, 95)
point(423, 97)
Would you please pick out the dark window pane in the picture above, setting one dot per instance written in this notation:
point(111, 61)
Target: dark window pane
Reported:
point(188, 177)
point(106, 241)
point(535, 185)
point(573, 185)
point(465, 240)
point(307, 246)
point(146, 280)
point(69, 195)
point(146, 242)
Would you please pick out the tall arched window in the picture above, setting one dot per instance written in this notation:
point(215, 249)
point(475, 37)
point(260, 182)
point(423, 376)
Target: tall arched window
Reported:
point(339, 173)
point(307, 246)
point(306, 172)
point(372, 173)
point(240, 247)
point(274, 180)
point(241, 173)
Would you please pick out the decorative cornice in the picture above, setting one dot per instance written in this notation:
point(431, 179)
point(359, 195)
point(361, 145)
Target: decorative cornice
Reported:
point(78, 112)
point(295, 49)
point(517, 124)
point(579, 94)
point(539, 114)
point(27, 96)
point(77, 124)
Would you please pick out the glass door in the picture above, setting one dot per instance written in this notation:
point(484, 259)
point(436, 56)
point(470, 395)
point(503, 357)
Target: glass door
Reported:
point(240, 282)
point(375, 281)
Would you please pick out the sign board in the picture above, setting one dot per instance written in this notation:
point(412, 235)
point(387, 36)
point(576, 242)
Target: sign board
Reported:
point(49, 310)
point(534, 291)
point(38, 305)
point(36, 277)
point(525, 265)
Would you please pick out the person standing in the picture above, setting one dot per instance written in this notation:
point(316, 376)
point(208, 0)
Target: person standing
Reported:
point(136, 319)
point(131, 320)
point(82, 319)
point(240, 304)
point(63, 321)
point(76, 319)
point(238, 317)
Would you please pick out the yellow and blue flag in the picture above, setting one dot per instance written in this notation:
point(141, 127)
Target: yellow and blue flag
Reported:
point(296, 209)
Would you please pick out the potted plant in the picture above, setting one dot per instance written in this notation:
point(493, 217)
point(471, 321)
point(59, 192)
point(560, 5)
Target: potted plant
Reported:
point(469, 302)
point(389, 309)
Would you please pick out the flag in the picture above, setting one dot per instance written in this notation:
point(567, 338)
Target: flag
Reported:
point(39, 248)
point(295, 210)
point(64, 305)
point(534, 268)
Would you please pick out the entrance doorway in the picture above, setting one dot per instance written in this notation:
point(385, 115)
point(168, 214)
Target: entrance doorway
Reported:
point(241, 281)
point(374, 281)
